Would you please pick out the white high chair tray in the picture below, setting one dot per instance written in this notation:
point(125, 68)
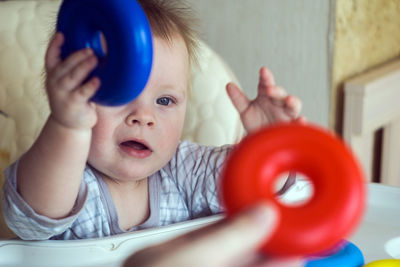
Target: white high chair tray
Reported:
point(378, 237)
point(107, 252)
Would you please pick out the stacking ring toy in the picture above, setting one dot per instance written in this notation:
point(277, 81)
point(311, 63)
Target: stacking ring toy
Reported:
point(119, 34)
point(334, 209)
point(384, 263)
point(349, 256)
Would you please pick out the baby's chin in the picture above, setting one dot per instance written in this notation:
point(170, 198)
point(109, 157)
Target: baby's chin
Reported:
point(128, 175)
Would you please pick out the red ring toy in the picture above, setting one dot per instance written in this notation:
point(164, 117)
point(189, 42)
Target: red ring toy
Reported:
point(336, 206)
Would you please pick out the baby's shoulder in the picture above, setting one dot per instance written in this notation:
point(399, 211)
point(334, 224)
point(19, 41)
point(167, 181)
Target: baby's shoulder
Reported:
point(194, 157)
point(89, 175)
point(190, 150)
point(187, 147)
point(92, 181)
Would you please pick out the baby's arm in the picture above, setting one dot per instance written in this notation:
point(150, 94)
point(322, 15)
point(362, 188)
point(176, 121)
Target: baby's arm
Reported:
point(50, 172)
point(271, 105)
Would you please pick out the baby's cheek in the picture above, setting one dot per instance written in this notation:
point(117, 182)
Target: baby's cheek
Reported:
point(103, 131)
point(101, 140)
point(95, 151)
point(171, 139)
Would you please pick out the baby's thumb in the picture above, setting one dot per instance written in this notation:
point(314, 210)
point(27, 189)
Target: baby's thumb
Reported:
point(238, 98)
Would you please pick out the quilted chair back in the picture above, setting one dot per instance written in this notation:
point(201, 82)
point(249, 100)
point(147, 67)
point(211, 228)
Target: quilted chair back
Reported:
point(25, 28)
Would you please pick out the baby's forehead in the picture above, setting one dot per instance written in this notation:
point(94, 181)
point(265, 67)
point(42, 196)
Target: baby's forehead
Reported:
point(171, 53)
point(170, 70)
point(174, 39)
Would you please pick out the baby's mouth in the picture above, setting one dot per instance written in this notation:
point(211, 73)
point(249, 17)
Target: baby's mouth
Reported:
point(135, 145)
point(136, 148)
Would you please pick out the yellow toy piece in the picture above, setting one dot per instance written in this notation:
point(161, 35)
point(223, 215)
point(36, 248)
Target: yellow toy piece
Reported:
point(384, 263)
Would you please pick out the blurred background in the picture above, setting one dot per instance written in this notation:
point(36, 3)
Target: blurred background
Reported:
point(311, 46)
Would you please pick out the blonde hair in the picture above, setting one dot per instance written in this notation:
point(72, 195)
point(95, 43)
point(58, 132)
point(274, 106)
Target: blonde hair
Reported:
point(169, 17)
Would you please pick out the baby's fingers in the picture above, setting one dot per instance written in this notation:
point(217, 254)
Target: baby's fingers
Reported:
point(276, 93)
point(71, 62)
point(301, 120)
point(238, 98)
point(266, 80)
point(78, 74)
point(53, 53)
point(86, 91)
point(292, 106)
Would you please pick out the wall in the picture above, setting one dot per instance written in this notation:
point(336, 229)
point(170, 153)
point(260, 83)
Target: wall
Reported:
point(293, 38)
point(367, 35)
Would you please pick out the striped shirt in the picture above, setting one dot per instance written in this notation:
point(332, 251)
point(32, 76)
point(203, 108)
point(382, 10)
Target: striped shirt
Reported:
point(184, 189)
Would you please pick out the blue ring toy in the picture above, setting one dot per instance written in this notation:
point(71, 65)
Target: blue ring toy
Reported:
point(125, 68)
point(349, 256)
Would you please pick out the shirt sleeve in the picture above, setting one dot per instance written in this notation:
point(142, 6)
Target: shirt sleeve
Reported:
point(198, 171)
point(24, 221)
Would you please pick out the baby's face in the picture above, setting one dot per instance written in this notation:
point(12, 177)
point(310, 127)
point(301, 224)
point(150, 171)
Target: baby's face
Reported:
point(133, 141)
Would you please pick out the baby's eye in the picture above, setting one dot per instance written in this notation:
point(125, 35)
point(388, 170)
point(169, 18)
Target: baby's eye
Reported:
point(164, 101)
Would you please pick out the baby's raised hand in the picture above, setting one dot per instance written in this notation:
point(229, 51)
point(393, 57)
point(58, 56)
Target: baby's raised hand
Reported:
point(68, 97)
point(271, 105)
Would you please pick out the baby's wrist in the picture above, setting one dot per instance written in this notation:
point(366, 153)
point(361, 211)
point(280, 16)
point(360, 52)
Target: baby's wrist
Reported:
point(65, 127)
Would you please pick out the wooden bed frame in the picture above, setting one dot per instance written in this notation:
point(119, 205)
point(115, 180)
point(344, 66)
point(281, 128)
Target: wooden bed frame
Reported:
point(371, 106)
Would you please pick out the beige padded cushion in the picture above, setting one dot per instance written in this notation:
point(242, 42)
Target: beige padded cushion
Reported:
point(25, 27)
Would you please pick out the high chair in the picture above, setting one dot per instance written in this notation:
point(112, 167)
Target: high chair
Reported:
point(25, 28)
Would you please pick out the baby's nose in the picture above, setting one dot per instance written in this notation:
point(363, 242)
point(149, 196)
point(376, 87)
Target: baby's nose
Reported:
point(141, 118)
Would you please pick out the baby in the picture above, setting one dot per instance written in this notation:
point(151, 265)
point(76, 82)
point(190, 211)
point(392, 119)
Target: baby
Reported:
point(97, 171)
